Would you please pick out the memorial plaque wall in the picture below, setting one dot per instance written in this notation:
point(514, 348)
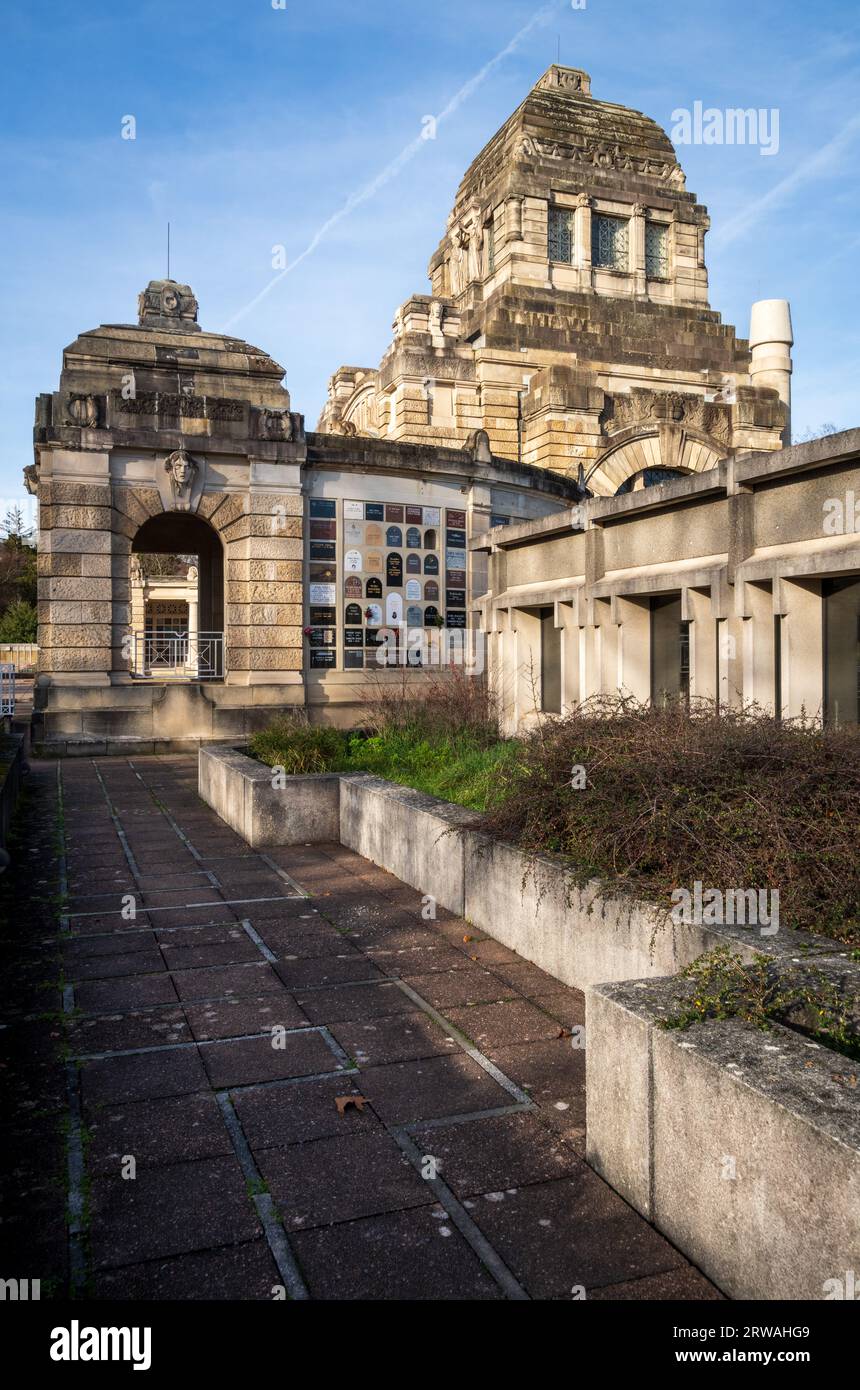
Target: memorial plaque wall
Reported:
point(396, 561)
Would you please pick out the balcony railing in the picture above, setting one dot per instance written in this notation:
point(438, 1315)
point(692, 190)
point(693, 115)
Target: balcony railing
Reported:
point(178, 655)
point(7, 689)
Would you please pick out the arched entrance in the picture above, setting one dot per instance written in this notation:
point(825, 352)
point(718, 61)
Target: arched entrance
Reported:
point(177, 606)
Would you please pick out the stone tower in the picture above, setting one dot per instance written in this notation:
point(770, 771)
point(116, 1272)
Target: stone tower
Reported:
point(568, 314)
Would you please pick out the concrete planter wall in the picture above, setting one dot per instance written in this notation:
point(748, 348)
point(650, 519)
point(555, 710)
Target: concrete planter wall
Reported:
point(418, 838)
point(741, 1146)
point(240, 789)
point(579, 933)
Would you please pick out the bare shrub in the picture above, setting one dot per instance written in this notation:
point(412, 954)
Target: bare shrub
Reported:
point(671, 796)
point(432, 704)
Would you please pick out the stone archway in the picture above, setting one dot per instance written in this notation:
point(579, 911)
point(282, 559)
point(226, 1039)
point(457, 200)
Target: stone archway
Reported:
point(197, 652)
point(667, 448)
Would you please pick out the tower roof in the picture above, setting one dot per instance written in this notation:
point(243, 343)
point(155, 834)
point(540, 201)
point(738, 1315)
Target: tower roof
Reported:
point(563, 134)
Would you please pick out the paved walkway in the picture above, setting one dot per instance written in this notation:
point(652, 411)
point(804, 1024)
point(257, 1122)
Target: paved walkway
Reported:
point(273, 1074)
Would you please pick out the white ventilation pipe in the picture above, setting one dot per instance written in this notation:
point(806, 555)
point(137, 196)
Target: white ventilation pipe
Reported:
point(770, 345)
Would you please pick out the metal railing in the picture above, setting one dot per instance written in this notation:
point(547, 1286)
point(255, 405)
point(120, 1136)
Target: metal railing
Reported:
point(7, 689)
point(178, 655)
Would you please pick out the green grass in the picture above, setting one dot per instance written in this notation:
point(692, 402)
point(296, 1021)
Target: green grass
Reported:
point(459, 768)
point(455, 769)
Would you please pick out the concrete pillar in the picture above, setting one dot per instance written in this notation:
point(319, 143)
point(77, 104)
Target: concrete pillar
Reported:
point(759, 674)
point(730, 662)
point(503, 652)
point(802, 647)
point(591, 653)
point(698, 610)
point(634, 618)
point(570, 641)
point(527, 679)
point(770, 346)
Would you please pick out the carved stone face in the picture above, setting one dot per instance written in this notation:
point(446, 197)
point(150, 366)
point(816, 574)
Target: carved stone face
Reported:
point(181, 469)
point(170, 301)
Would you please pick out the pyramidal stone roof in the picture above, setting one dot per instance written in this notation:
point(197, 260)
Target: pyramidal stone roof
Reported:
point(168, 334)
point(562, 134)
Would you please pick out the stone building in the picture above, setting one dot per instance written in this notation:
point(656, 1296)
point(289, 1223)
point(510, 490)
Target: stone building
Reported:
point(165, 439)
point(568, 314)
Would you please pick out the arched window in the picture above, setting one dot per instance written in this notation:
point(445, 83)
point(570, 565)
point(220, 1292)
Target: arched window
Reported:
point(650, 477)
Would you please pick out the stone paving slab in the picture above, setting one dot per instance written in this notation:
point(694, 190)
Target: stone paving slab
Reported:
point(233, 1018)
point(515, 1150)
point(407, 1255)
point(326, 1182)
point(157, 1132)
point(170, 1210)
point(573, 1232)
point(231, 1274)
point(397, 1038)
point(280, 1115)
point(316, 1085)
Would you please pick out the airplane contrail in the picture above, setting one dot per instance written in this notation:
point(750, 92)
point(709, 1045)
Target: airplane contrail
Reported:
point(391, 170)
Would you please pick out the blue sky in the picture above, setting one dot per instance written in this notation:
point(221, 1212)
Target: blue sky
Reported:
point(255, 125)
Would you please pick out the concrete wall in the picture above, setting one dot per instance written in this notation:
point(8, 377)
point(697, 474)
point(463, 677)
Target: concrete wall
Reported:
point(418, 838)
point(741, 1146)
point(746, 546)
point(240, 789)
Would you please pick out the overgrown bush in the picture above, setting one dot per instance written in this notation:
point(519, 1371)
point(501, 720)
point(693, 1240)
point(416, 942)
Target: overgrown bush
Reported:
point(764, 992)
point(298, 747)
point(648, 799)
point(732, 799)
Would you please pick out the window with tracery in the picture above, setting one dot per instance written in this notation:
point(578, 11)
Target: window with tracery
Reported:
point(561, 237)
point(610, 242)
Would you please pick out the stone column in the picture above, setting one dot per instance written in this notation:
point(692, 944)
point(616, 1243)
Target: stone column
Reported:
point(582, 225)
point(771, 338)
point(193, 632)
point(637, 249)
point(513, 219)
